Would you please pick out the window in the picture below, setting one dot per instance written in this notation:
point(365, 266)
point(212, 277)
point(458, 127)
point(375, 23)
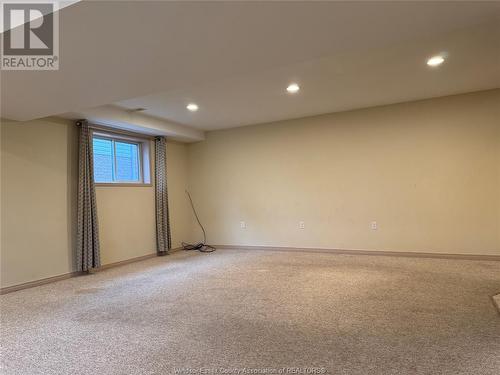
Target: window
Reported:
point(121, 160)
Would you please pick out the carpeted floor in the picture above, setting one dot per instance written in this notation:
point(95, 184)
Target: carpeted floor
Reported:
point(259, 312)
point(496, 300)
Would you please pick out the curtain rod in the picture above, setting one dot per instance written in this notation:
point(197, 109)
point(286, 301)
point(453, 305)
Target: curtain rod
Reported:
point(118, 131)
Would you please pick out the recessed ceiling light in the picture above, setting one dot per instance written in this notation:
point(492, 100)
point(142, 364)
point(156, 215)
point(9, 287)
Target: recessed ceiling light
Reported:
point(293, 88)
point(435, 60)
point(192, 107)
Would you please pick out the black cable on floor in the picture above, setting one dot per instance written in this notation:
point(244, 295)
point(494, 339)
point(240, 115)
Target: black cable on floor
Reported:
point(200, 246)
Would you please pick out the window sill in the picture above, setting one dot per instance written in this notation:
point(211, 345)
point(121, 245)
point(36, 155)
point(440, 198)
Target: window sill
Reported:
point(121, 184)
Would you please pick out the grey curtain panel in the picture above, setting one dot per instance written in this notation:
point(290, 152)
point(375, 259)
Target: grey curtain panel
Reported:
point(163, 237)
point(87, 248)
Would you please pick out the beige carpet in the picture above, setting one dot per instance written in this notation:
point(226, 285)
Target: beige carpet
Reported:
point(496, 300)
point(259, 312)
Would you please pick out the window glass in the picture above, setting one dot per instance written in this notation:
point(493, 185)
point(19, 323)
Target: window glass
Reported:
point(127, 161)
point(116, 161)
point(103, 160)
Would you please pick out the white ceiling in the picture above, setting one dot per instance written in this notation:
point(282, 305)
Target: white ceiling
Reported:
point(234, 59)
point(354, 79)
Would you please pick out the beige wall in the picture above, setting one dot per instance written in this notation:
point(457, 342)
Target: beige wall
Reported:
point(127, 214)
point(38, 200)
point(428, 173)
point(126, 222)
point(180, 211)
point(37, 178)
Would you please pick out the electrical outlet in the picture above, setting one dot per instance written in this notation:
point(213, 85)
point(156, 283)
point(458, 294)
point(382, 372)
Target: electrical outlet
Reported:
point(302, 225)
point(373, 225)
point(243, 225)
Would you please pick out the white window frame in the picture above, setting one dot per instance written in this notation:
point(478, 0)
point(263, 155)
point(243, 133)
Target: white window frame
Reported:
point(144, 149)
